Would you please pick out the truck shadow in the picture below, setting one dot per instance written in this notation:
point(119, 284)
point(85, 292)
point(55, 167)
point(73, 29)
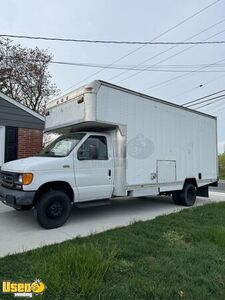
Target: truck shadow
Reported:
point(120, 208)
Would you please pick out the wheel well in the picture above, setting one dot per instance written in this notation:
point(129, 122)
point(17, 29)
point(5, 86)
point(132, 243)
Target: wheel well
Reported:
point(192, 181)
point(55, 185)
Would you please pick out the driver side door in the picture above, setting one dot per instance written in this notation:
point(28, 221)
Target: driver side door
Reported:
point(94, 168)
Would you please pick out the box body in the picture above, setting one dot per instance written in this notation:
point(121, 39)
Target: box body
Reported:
point(157, 144)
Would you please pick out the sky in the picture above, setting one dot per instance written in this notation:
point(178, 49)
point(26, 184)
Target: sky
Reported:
point(128, 20)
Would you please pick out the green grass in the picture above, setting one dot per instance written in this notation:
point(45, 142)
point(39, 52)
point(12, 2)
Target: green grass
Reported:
point(179, 256)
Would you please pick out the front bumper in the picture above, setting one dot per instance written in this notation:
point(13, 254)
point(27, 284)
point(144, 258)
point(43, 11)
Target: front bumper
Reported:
point(16, 198)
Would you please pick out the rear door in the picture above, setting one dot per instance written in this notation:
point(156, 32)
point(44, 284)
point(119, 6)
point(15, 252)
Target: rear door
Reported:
point(94, 168)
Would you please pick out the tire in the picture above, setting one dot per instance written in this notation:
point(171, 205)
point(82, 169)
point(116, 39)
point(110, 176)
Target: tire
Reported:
point(24, 207)
point(187, 196)
point(52, 209)
point(176, 197)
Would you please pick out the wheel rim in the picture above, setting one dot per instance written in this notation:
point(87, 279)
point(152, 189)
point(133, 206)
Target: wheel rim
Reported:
point(55, 210)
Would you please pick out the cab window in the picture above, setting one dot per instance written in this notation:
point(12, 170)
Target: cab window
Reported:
point(94, 148)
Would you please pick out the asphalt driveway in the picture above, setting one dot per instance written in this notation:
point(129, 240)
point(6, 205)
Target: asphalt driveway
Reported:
point(20, 232)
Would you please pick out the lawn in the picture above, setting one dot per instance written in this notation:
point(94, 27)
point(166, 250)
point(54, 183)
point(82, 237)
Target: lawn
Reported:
point(179, 256)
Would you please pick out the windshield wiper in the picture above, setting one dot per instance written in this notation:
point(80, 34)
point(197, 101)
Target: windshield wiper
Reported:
point(49, 153)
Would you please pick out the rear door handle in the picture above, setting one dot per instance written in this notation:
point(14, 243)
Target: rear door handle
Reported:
point(109, 172)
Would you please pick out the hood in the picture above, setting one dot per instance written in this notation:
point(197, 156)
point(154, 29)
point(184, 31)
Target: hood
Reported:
point(36, 163)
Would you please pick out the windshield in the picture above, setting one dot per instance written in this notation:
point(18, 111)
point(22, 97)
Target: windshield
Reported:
point(63, 145)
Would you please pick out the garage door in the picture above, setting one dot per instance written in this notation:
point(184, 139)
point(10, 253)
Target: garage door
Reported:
point(2, 144)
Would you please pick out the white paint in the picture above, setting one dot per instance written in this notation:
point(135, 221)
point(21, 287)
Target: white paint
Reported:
point(2, 145)
point(26, 234)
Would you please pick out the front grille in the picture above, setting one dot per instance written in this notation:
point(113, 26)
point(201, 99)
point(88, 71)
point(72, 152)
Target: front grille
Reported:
point(7, 179)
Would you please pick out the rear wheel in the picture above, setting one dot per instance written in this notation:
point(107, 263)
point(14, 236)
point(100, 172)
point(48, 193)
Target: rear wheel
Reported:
point(53, 209)
point(186, 197)
point(176, 197)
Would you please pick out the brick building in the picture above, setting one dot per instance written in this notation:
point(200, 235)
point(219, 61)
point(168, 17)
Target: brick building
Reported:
point(20, 130)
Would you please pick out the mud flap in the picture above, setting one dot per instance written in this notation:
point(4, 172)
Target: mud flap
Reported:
point(203, 191)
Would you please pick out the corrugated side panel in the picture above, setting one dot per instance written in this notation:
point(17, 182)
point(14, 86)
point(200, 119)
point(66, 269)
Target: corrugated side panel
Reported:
point(158, 131)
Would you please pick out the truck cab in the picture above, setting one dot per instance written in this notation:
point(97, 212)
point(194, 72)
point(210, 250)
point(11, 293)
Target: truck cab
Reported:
point(77, 167)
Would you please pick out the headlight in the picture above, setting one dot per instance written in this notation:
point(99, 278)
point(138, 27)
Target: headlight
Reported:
point(25, 178)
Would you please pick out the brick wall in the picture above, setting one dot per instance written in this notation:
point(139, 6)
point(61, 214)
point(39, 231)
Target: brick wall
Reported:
point(29, 142)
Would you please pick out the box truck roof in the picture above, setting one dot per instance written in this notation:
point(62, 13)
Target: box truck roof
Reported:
point(94, 86)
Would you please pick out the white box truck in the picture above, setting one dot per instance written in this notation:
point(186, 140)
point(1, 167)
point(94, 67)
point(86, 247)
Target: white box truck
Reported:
point(113, 142)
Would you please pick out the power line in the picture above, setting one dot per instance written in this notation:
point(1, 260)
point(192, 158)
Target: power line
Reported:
point(204, 101)
point(109, 41)
point(180, 76)
point(162, 52)
point(129, 68)
point(220, 99)
point(142, 46)
point(177, 77)
point(199, 86)
point(150, 68)
point(196, 100)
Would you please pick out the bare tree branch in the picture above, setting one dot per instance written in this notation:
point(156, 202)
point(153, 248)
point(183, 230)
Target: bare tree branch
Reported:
point(26, 77)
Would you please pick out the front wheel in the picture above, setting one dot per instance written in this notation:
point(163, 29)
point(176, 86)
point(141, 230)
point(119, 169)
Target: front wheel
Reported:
point(53, 209)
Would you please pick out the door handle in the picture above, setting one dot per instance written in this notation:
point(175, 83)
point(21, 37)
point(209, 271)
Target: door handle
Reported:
point(109, 172)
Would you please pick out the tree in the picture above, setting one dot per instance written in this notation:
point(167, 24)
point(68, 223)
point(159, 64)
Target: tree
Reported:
point(25, 76)
point(222, 166)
